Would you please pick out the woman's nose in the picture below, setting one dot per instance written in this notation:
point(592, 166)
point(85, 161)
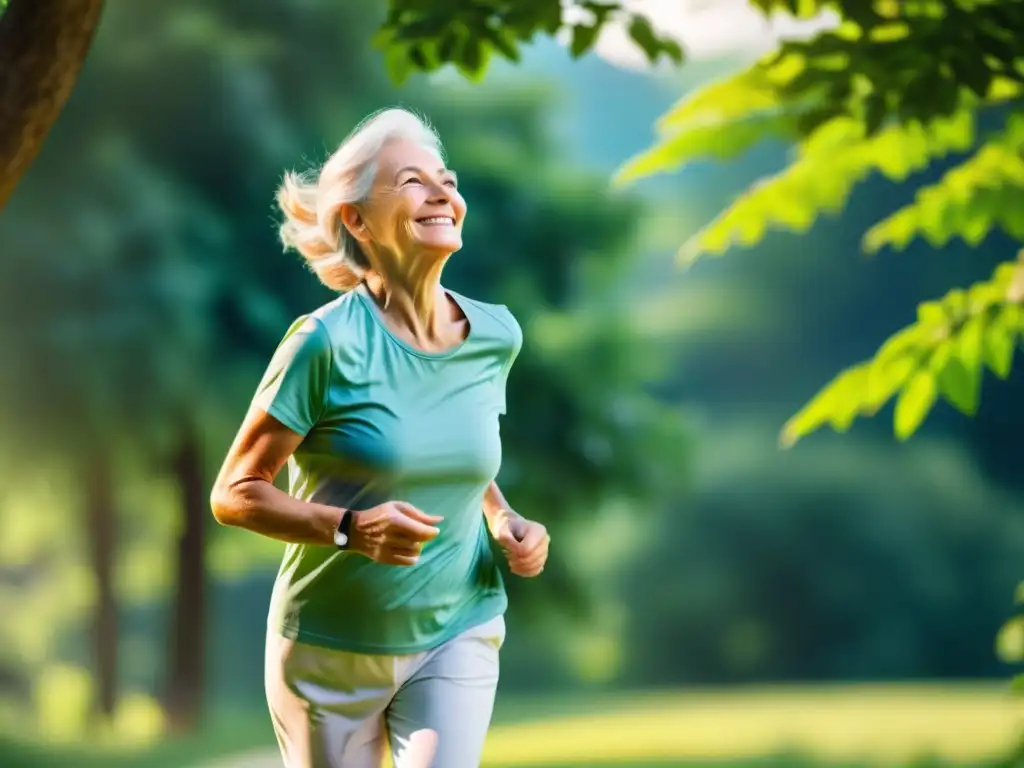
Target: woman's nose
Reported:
point(438, 193)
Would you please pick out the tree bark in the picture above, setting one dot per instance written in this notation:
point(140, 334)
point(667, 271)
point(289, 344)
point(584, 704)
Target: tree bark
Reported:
point(98, 484)
point(43, 44)
point(186, 680)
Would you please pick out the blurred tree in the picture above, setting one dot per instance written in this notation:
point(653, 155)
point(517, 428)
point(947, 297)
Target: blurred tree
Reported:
point(174, 301)
point(794, 568)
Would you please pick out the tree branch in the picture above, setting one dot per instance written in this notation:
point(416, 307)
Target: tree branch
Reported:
point(42, 46)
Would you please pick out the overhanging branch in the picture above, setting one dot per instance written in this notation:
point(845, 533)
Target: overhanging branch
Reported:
point(43, 44)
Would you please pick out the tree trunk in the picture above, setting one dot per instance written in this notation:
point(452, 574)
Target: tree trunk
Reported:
point(42, 46)
point(186, 670)
point(98, 484)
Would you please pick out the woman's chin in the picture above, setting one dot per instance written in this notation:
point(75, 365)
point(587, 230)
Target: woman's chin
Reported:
point(440, 245)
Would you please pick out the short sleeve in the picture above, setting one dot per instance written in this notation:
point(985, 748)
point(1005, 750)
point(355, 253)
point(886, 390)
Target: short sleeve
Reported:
point(512, 349)
point(295, 386)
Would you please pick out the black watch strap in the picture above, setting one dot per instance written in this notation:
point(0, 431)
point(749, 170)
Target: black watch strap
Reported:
point(342, 536)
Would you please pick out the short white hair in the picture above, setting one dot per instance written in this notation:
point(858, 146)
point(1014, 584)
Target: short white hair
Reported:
point(311, 201)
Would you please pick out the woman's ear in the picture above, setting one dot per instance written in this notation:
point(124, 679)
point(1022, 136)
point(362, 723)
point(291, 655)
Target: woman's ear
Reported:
point(353, 221)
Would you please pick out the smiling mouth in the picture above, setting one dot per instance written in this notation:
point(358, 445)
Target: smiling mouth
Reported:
point(437, 221)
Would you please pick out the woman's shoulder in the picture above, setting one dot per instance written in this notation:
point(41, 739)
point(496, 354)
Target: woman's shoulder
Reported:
point(497, 314)
point(340, 318)
point(328, 329)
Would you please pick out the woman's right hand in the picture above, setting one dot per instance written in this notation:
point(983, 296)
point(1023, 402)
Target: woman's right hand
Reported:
point(392, 533)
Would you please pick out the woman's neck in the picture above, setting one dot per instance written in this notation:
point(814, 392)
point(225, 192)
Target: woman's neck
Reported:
point(414, 303)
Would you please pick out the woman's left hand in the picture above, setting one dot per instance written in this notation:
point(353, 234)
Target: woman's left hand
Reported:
point(524, 542)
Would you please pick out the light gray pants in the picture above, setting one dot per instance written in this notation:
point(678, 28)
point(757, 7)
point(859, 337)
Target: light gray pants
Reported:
point(334, 709)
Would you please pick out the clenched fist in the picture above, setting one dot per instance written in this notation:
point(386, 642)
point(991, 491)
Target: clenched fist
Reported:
point(392, 533)
point(524, 542)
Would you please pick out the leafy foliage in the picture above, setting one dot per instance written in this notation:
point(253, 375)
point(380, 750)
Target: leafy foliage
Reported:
point(894, 87)
point(972, 199)
point(897, 85)
point(424, 35)
point(920, 522)
point(871, 67)
point(941, 355)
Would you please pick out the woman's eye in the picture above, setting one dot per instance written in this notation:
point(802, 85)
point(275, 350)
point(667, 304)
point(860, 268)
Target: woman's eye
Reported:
point(413, 180)
point(451, 183)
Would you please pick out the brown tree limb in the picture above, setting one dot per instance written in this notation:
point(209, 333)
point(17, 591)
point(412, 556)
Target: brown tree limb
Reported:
point(43, 44)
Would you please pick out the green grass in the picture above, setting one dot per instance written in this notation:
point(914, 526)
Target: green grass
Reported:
point(224, 735)
point(823, 727)
point(890, 725)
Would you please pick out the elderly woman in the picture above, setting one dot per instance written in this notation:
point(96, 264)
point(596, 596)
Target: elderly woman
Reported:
point(387, 614)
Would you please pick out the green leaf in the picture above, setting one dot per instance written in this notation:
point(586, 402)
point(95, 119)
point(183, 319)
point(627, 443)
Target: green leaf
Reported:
point(914, 404)
point(421, 59)
point(836, 403)
point(969, 201)
point(960, 384)
point(583, 38)
point(932, 314)
point(885, 378)
point(970, 340)
point(903, 343)
point(941, 355)
point(424, 28)
point(973, 72)
point(397, 63)
point(875, 112)
point(1010, 641)
point(475, 58)
point(504, 42)
point(674, 51)
point(601, 10)
point(737, 97)
point(643, 34)
point(550, 15)
point(722, 141)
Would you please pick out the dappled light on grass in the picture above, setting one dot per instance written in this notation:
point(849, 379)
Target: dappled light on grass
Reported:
point(853, 726)
point(63, 695)
point(890, 724)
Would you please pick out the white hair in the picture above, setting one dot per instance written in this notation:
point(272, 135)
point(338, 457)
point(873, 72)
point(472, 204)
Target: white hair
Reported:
point(311, 201)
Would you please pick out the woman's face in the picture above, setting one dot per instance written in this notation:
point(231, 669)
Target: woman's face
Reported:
point(414, 208)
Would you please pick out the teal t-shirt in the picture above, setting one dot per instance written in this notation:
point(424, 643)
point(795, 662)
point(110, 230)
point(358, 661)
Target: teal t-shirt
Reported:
point(383, 421)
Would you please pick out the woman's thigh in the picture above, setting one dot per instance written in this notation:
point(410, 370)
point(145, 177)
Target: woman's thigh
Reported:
point(327, 706)
point(452, 694)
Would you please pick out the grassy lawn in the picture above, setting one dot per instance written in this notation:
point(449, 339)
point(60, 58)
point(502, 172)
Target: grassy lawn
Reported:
point(869, 724)
point(823, 727)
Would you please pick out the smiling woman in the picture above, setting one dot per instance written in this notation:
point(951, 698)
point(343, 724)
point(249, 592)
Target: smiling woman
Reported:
point(387, 615)
point(312, 201)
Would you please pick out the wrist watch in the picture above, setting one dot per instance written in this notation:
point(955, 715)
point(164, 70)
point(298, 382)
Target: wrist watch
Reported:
point(341, 533)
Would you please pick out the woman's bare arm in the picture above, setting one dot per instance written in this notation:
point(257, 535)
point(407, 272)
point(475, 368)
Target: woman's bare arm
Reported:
point(496, 508)
point(244, 494)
